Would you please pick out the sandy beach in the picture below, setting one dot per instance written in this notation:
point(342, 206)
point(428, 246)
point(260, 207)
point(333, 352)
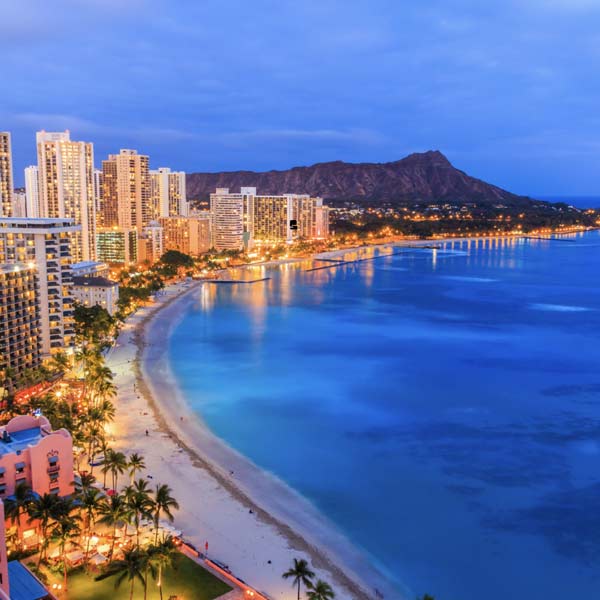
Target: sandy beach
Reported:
point(252, 521)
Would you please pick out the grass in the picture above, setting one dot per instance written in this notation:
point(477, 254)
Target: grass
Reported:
point(188, 581)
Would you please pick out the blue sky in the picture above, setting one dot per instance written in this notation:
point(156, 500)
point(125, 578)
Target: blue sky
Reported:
point(509, 90)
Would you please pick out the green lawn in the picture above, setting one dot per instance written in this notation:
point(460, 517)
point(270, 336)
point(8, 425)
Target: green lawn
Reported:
point(189, 581)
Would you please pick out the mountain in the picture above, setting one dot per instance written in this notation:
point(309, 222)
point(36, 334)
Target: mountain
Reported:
point(426, 176)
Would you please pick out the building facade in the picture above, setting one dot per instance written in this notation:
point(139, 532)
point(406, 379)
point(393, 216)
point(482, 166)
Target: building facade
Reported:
point(168, 193)
point(6, 175)
point(20, 341)
point(66, 187)
point(100, 291)
point(32, 192)
point(45, 243)
point(19, 203)
point(117, 245)
point(230, 214)
point(31, 453)
point(90, 269)
point(151, 243)
point(126, 191)
point(242, 220)
point(190, 235)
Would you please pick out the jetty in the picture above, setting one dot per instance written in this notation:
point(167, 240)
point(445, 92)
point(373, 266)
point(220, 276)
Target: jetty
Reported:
point(333, 262)
point(549, 239)
point(236, 280)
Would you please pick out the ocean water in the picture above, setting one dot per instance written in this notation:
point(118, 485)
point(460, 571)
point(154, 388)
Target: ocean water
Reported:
point(442, 407)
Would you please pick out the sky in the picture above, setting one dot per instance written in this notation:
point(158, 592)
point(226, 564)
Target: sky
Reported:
point(509, 90)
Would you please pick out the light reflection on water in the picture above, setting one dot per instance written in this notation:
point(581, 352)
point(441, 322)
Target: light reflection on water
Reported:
point(445, 425)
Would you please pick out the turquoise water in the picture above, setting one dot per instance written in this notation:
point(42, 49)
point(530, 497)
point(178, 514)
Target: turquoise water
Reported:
point(442, 407)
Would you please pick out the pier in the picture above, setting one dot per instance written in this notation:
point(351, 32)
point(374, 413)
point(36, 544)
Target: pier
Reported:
point(237, 280)
point(333, 262)
point(549, 239)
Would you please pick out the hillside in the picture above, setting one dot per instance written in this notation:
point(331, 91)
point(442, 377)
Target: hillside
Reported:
point(427, 176)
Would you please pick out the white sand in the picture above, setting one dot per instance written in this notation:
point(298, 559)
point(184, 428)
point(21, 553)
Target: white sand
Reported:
point(215, 506)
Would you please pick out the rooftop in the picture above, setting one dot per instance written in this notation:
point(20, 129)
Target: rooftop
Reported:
point(24, 585)
point(20, 440)
point(38, 224)
point(88, 264)
point(94, 282)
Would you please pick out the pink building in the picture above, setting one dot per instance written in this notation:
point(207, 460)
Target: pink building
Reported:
point(31, 452)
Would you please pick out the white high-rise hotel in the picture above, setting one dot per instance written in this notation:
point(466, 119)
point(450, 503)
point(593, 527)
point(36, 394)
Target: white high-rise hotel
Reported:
point(242, 220)
point(6, 175)
point(66, 187)
point(168, 194)
point(32, 192)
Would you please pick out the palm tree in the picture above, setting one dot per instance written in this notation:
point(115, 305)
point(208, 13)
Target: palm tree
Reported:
point(164, 503)
point(114, 463)
point(59, 362)
point(320, 591)
point(300, 573)
point(16, 505)
point(89, 501)
point(42, 509)
point(136, 463)
point(113, 511)
point(85, 483)
point(131, 567)
point(163, 555)
point(118, 466)
point(64, 531)
point(141, 503)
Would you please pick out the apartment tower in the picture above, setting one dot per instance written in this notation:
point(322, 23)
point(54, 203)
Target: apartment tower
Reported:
point(126, 191)
point(6, 175)
point(168, 194)
point(231, 229)
point(20, 344)
point(66, 187)
point(32, 192)
point(46, 244)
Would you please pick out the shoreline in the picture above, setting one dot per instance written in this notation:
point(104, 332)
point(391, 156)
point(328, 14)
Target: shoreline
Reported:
point(275, 517)
point(283, 520)
point(271, 500)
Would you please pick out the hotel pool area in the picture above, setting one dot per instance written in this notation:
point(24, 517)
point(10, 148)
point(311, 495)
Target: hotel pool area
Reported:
point(441, 407)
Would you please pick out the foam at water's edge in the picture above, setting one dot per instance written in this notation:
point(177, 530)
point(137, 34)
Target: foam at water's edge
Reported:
point(284, 503)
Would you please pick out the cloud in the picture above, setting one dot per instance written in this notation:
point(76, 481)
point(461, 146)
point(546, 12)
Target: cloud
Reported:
point(78, 125)
point(325, 135)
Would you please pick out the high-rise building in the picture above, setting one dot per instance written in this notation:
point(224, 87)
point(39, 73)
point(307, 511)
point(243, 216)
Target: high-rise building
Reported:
point(321, 222)
point(19, 203)
point(117, 245)
point(304, 216)
point(168, 195)
point(244, 219)
point(66, 187)
point(47, 244)
point(6, 175)
point(20, 343)
point(190, 235)
point(151, 243)
point(98, 191)
point(231, 229)
point(126, 191)
point(32, 192)
point(270, 218)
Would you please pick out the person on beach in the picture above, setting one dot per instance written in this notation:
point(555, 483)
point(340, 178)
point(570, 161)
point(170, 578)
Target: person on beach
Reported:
point(146, 432)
